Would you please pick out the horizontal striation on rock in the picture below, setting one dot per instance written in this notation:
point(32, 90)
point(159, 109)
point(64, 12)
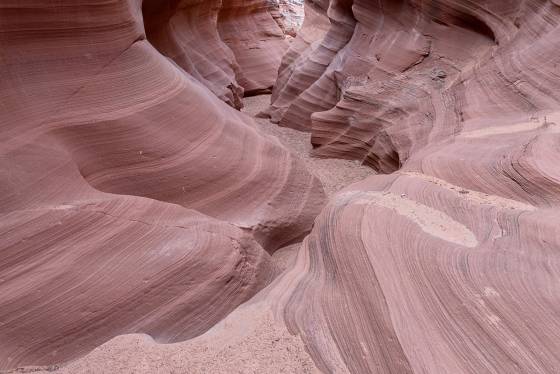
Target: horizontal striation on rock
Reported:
point(80, 266)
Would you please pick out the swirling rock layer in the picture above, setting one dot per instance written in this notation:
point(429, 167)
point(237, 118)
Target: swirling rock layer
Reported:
point(409, 273)
point(383, 80)
point(176, 29)
point(133, 199)
point(451, 263)
point(257, 40)
point(233, 47)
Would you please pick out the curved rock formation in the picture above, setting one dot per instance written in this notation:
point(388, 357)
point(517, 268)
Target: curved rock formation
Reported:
point(233, 47)
point(408, 69)
point(79, 266)
point(254, 35)
point(308, 59)
point(420, 275)
point(107, 149)
point(450, 264)
point(176, 29)
point(135, 201)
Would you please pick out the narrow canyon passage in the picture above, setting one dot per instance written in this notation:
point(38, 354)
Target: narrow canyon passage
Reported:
point(334, 174)
point(216, 187)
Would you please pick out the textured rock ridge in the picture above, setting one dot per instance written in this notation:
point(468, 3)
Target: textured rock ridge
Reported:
point(133, 199)
point(420, 275)
point(290, 16)
point(404, 60)
point(450, 263)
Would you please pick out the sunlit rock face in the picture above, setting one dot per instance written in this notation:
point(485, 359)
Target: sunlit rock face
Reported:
point(450, 263)
point(133, 198)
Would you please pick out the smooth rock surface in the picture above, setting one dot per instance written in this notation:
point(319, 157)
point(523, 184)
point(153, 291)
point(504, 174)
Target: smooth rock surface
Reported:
point(117, 159)
point(450, 264)
point(133, 199)
point(257, 39)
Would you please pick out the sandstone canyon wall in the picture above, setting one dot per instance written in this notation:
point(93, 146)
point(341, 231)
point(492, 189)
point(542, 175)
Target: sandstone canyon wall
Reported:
point(451, 263)
point(232, 47)
point(379, 69)
point(291, 15)
point(133, 199)
point(252, 29)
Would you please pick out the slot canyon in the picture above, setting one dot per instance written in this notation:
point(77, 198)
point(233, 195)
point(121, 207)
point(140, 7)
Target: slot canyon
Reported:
point(280, 186)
